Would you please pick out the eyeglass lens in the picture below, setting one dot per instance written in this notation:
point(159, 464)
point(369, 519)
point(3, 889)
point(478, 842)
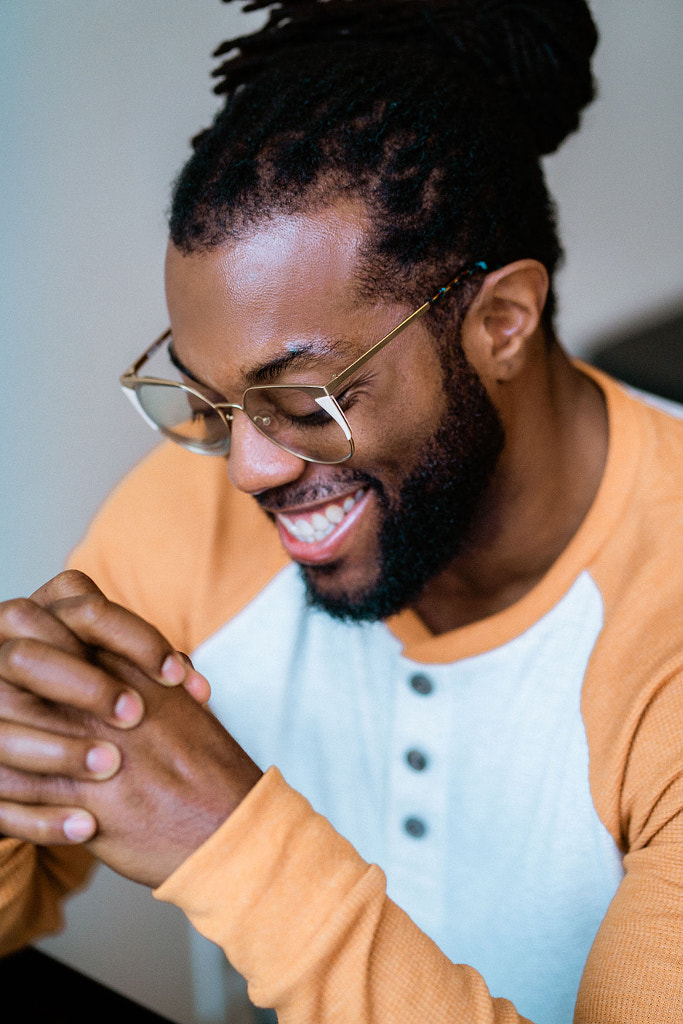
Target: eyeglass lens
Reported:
point(184, 417)
point(286, 415)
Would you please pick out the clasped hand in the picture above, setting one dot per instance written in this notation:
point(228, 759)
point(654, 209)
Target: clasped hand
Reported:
point(103, 735)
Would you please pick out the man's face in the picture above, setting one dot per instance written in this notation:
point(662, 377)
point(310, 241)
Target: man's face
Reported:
point(282, 306)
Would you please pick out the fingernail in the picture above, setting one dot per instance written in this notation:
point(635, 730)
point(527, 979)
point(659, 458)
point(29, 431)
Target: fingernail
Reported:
point(103, 760)
point(173, 670)
point(79, 826)
point(129, 708)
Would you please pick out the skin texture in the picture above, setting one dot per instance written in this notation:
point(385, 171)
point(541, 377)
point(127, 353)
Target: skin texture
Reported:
point(147, 789)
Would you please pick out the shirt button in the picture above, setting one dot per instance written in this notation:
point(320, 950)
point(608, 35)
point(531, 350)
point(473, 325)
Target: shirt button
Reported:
point(417, 760)
point(415, 827)
point(421, 684)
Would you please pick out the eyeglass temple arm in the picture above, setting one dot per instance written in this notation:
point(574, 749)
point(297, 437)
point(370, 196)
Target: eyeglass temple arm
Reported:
point(340, 379)
point(133, 369)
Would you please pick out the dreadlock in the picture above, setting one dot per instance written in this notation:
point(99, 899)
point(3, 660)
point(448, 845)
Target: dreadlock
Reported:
point(434, 113)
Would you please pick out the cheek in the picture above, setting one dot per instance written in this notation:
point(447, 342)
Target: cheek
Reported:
point(399, 420)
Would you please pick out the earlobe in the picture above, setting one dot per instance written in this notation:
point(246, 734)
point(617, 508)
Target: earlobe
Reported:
point(505, 319)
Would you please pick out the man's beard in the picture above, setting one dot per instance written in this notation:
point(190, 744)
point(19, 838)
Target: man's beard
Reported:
point(431, 520)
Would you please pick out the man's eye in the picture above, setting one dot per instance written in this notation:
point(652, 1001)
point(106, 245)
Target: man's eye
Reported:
point(354, 392)
point(319, 418)
point(345, 399)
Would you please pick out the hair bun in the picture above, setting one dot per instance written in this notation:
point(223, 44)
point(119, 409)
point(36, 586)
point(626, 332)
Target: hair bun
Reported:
point(538, 51)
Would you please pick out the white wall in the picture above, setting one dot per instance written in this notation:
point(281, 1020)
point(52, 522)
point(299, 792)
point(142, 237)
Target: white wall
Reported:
point(99, 98)
point(619, 181)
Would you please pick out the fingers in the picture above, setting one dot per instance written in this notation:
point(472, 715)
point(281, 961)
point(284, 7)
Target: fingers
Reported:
point(54, 675)
point(23, 618)
point(45, 825)
point(78, 603)
point(34, 751)
point(195, 683)
point(71, 613)
point(103, 624)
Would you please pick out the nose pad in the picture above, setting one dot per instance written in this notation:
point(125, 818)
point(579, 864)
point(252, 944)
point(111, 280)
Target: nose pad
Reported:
point(255, 464)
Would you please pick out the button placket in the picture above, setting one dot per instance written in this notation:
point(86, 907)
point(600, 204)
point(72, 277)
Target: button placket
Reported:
point(416, 825)
point(416, 817)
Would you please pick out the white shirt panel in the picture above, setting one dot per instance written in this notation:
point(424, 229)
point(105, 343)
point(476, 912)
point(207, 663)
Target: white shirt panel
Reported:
point(488, 836)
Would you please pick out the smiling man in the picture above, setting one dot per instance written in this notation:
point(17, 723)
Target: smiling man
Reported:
point(427, 570)
point(396, 478)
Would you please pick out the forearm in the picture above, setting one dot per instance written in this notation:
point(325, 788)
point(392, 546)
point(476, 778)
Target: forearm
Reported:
point(33, 882)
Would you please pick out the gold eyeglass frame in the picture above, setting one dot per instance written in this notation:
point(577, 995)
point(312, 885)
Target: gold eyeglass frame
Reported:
point(324, 394)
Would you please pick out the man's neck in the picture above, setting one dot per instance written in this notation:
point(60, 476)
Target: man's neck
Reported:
point(556, 448)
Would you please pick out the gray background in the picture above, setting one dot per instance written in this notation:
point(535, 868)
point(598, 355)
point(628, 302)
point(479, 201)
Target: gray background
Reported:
point(98, 101)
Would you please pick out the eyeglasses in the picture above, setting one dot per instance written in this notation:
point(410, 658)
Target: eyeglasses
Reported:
point(303, 419)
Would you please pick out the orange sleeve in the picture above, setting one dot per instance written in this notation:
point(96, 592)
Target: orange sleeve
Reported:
point(633, 710)
point(307, 921)
point(33, 879)
point(634, 971)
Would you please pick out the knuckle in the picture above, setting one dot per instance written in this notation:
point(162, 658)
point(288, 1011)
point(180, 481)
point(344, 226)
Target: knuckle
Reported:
point(18, 614)
point(45, 829)
point(74, 580)
point(16, 654)
point(93, 607)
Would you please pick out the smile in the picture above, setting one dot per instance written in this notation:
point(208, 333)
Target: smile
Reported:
point(312, 527)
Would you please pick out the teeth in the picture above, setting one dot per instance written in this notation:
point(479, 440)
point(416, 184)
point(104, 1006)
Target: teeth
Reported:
point(321, 524)
point(304, 529)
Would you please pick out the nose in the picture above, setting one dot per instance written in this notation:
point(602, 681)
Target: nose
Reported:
point(255, 464)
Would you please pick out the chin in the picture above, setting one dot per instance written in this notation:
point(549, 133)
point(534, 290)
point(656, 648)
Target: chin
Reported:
point(336, 582)
point(374, 601)
point(340, 595)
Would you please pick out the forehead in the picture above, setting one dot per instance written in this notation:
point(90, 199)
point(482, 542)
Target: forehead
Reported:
point(290, 282)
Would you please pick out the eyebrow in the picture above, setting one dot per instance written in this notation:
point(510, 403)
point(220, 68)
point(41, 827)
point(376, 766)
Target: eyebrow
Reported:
point(179, 365)
point(291, 360)
point(271, 370)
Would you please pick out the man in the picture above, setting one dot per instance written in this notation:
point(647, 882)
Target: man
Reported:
point(440, 624)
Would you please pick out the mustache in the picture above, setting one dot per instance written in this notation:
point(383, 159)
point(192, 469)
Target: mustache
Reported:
point(278, 498)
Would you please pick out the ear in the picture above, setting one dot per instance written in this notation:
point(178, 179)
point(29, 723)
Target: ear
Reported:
point(505, 319)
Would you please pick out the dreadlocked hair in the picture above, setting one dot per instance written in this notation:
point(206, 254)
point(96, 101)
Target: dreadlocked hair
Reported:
point(434, 114)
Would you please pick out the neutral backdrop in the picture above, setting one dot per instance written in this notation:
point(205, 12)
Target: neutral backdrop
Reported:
point(98, 101)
